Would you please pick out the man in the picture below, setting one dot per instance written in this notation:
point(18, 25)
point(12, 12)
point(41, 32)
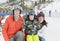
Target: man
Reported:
point(12, 29)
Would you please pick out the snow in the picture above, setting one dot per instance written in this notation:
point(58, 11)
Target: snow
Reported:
point(53, 29)
point(1, 37)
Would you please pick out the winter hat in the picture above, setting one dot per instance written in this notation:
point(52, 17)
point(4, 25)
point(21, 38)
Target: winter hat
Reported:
point(40, 14)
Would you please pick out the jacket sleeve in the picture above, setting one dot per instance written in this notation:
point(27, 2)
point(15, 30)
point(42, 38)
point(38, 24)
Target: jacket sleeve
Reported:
point(21, 23)
point(4, 30)
point(39, 26)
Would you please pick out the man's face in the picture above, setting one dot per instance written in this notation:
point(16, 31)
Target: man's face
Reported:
point(31, 17)
point(41, 19)
point(16, 13)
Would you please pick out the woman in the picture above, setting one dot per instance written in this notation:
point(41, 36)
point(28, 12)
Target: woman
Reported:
point(12, 29)
point(42, 23)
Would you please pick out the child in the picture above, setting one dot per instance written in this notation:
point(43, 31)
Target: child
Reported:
point(31, 27)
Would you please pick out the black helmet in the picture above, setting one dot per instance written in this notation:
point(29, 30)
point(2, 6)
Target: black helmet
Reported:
point(31, 12)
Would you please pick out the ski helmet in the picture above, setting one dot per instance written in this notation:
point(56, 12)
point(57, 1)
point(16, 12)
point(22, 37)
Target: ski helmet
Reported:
point(31, 12)
point(17, 7)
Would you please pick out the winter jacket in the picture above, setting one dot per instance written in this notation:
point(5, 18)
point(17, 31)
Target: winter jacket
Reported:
point(43, 29)
point(11, 27)
point(31, 27)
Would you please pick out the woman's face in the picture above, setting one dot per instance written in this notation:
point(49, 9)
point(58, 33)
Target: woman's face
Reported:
point(41, 19)
point(31, 17)
point(16, 13)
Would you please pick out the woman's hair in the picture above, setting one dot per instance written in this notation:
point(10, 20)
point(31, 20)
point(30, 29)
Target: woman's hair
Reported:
point(13, 13)
point(41, 14)
point(44, 23)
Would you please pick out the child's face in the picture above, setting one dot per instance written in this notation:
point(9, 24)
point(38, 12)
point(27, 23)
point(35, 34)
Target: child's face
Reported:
point(41, 19)
point(31, 17)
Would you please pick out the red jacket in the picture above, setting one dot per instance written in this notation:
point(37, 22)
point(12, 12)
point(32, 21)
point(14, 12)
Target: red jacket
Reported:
point(11, 27)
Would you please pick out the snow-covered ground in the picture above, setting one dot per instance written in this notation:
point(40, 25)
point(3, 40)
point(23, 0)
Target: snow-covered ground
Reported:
point(1, 37)
point(53, 30)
